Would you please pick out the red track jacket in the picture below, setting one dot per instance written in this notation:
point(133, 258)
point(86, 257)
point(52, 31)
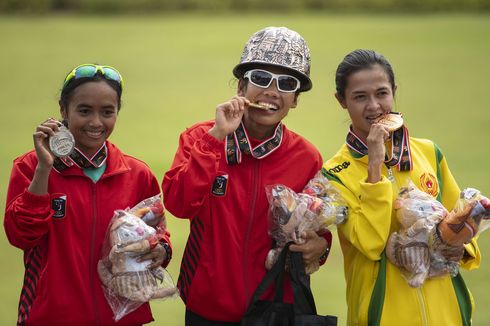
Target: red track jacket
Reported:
point(225, 254)
point(62, 246)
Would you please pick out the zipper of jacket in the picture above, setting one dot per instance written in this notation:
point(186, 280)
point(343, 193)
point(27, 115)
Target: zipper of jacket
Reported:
point(249, 228)
point(420, 297)
point(92, 253)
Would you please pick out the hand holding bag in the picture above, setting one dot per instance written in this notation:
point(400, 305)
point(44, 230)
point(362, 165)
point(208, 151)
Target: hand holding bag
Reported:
point(278, 313)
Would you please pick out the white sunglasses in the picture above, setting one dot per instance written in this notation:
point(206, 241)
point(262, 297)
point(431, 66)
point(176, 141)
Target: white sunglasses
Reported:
point(264, 78)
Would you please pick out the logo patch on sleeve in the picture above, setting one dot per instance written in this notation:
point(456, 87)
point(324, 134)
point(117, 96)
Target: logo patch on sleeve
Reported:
point(58, 204)
point(219, 185)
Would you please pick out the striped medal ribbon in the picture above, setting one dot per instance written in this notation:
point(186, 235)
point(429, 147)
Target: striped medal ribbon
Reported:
point(400, 155)
point(81, 160)
point(238, 142)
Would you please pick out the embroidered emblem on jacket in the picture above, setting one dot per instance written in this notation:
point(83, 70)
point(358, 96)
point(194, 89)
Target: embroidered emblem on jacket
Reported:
point(58, 204)
point(219, 185)
point(429, 184)
point(338, 168)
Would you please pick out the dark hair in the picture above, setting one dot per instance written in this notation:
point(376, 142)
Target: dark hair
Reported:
point(67, 90)
point(358, 60)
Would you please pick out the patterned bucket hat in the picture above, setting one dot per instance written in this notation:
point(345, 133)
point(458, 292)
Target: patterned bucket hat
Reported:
point(277, 46)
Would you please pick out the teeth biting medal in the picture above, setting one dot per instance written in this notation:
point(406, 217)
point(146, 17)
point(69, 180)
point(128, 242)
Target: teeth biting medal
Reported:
point(392, 121)
point(62, 142)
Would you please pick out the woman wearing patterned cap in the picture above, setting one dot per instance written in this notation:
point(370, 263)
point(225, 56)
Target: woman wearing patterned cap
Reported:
point(219, 173)
point(58, 208)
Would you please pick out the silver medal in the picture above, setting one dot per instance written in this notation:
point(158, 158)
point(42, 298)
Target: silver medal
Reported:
point(62, 142)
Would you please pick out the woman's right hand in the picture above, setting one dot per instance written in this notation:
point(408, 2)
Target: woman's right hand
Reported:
point(228, 117)
point(376, 139)
point(40, 137)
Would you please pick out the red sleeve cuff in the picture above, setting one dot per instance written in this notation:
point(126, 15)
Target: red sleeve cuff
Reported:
point(328, 237)
point(37, 200)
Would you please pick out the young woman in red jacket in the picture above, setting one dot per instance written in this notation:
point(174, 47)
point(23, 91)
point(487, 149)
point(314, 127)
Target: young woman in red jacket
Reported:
point(58, 209)
point(220, 171)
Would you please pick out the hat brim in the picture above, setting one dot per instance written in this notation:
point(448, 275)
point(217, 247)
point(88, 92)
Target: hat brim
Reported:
point(241, 68)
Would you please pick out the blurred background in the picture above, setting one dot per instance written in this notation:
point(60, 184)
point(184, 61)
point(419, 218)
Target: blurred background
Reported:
point(177, 55)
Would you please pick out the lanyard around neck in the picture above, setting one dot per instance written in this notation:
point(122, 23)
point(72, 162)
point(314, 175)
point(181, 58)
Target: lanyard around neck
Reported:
point(400, 155)
point(238, 142)
point(78, 158)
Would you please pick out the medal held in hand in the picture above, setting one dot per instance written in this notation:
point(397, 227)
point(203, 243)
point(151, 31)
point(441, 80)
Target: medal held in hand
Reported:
point(392, 121)
point(62, 142)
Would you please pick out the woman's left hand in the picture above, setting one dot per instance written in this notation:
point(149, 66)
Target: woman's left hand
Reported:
point(313, 247)
point(157, 255)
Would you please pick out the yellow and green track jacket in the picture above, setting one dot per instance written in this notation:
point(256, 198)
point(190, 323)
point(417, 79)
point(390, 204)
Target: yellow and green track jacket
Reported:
point(377, 294)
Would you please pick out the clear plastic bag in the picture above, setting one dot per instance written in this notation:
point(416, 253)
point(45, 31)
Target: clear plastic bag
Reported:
point(469, 217)
point(319, 206)
point(418, 214)
point(127, 282)
point(430, 241)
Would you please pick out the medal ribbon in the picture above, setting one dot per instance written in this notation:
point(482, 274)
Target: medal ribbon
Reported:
point(81, 160)
point(401, 156)
point(238, 142)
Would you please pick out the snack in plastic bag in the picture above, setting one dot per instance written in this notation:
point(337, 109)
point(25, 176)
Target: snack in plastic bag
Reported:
point(469, 217)
point(430, 242)
point(127, 282)
point(319, 206)
point(418, 214)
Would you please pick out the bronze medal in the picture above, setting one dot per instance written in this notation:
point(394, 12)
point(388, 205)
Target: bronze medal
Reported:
point(62, 142)
point(392, 121)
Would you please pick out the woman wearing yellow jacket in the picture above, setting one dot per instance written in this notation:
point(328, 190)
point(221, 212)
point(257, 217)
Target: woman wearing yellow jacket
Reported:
point(377, 293)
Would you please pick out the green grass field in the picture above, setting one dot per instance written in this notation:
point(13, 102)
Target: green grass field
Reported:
point(178, 68)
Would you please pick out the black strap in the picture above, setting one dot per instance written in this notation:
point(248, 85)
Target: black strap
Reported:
point(275, 274)
point(273, 313)
point(304, 302)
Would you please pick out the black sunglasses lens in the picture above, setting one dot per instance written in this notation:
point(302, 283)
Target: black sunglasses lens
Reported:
point(287, 83)
point(261, 78)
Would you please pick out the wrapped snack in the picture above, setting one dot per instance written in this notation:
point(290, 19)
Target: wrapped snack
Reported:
point(151, 211)
point(127, 282)
point(418, 214)
point(319, 206)
point(469, 217)
point(430, 242)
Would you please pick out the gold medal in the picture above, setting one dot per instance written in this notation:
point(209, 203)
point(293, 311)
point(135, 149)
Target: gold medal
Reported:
point(62, 142)
point(392, 121)
point(258, 106)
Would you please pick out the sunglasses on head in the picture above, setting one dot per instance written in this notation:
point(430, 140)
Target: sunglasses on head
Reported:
point(264, 78)
point(90, 70)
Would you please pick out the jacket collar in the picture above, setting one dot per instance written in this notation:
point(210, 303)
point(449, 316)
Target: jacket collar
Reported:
point(115, 164)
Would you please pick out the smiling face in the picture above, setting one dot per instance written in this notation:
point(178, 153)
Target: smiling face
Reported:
point(91, 115)
point(368, 96)
point(260, 124)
